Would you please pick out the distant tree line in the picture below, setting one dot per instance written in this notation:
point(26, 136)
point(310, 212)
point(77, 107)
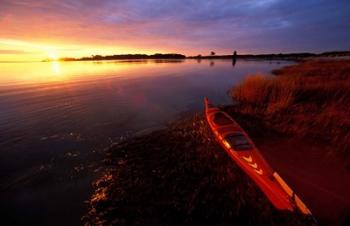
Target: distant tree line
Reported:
point(128, 56)
point(212, 55)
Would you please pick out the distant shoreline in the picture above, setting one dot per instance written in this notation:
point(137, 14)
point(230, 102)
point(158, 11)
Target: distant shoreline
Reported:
point(125, 57)
point(280, 56)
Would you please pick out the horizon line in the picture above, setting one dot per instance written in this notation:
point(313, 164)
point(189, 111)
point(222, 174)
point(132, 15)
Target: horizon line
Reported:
point(186, 56)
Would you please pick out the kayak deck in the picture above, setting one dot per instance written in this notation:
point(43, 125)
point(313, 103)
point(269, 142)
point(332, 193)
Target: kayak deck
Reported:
point(242, 150)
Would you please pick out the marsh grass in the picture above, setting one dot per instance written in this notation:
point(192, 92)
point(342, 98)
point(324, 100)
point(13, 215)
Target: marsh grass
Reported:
point(310, 99)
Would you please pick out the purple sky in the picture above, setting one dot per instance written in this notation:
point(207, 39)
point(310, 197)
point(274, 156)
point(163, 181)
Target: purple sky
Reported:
point(190, 27)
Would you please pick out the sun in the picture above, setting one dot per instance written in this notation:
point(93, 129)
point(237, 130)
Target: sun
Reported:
point(52, 54)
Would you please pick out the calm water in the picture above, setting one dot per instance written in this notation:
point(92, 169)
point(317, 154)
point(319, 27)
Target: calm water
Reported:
point(57, 117)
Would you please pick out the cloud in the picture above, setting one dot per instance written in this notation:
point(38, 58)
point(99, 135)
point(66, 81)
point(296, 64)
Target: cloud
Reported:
point(188, 26)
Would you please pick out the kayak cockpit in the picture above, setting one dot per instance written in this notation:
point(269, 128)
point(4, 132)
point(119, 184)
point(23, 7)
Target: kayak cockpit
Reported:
point(238, 141)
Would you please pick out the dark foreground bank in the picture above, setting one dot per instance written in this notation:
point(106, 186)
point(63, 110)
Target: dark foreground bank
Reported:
point(179, 176)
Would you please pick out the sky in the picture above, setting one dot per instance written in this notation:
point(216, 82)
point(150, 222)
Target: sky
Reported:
point(34, 29)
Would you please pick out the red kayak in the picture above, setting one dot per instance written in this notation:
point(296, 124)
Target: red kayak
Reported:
point(242, 150)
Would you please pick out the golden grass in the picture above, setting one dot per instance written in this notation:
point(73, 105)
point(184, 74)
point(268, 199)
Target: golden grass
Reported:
point(310, 99)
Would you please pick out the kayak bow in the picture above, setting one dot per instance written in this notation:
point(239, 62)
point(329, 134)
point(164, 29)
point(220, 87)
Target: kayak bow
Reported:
point(242, 150)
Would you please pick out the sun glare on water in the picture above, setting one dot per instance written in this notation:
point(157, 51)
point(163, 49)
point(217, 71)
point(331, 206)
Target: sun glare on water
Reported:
point(56, 69)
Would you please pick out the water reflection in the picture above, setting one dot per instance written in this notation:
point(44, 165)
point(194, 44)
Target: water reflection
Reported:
point(51, 109)
point(233, 62)
point(46, 72)
point(56, 67)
